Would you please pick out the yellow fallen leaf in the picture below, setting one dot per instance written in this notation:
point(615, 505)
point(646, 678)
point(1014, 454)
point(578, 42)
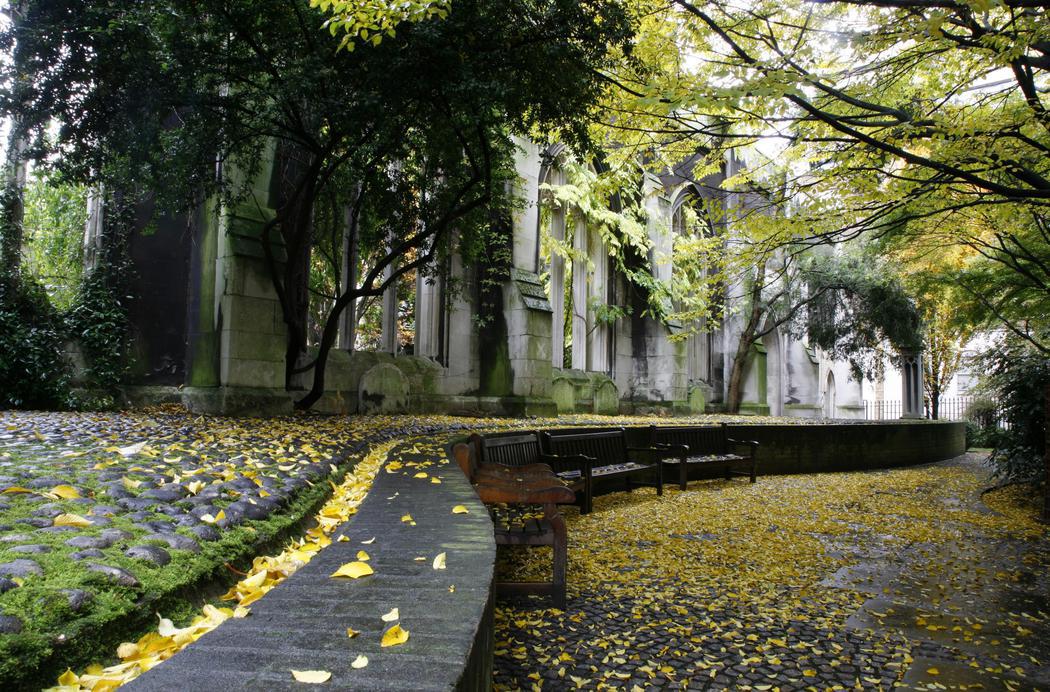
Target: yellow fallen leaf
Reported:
point(127, 650)
point(435, 479)
point(370, 541)
point(406, 518)
point(16, 489)
point(360, 662)
point(131, 450)
point(343, 539)
point(460, 509)
point(394, 636)
point(354, 570)
point(130, 484)
point(66, 492)
point(439, 561)
point(933, 671)
point(220, 516)
point(363, 556)
point(421, 474)
point(313, 677)
point(207, 519)
point(71, 520)
point(241, 612)
point(392, 616)
point(452, 588)
point(351, 632)
point(68, 678)
point(195, 487)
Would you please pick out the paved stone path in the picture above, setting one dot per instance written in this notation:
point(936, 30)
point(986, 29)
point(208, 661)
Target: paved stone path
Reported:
point(302, 623)
point(874, 580)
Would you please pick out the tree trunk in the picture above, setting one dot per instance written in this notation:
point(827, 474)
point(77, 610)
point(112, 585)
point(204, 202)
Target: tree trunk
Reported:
point(1046, 456)
point(735, 391)
point(12, 209)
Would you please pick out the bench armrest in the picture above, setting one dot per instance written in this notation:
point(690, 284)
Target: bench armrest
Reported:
point(744, 443)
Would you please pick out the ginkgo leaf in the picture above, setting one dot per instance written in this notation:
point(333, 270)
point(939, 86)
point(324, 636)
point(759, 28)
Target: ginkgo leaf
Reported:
point(127, 650)
point(363, 556)
point(452, 588)
point(68, 678)
point(131, 450)
point(392, 616)
point(343, 539)
point(370, 541)
point(360, 662)
point(129, 483)
point(207, 519)
point(406, 518)
point(312, 677)
point(460, 509)
point(71, 520)
point(220, 516)
point(421, 474)
point(435, 479)
point(66, 492)
point(17, 489)
point(354, 570)
point(195, 487)
point(351, 632)
point(439, 561)
point(394, 636)
point(933, 671)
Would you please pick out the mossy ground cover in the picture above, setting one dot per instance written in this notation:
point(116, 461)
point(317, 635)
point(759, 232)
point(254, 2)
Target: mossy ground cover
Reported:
point(829, 581)
point(236, 487)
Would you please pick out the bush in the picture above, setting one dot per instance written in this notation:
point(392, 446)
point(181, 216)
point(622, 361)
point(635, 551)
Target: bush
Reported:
point(1017, 376)
point(98, 322)
point(33, 372)
point(982, 423)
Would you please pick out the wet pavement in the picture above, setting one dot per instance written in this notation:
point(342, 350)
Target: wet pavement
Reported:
point(879, 580)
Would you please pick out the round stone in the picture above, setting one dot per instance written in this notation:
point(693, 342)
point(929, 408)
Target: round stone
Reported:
point(9, 624)
point(32, 549)
point(6, 585)
point(104, 510)
point(88, 542)
point(114, 535)
point(149, 553)
point(21, 567)
point(175, 541)
point(78, 598)
point(205, 532)
point(85, 554)
point(117, 575)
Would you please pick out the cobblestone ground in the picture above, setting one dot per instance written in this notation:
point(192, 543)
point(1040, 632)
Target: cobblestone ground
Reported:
point(901, 578)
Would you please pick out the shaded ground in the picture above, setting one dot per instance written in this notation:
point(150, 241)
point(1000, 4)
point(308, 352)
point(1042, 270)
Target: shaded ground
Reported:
point(860, 580)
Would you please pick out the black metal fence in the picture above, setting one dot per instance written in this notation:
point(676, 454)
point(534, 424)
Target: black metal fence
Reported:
point(948, 408)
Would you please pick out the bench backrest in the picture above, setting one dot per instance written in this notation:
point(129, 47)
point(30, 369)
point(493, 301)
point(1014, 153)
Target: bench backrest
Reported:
point(509, 450)
point(606, 446)
point(700, 439)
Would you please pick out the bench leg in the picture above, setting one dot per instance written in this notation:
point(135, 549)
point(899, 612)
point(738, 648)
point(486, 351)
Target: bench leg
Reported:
point(753, 469)
point(561, 555)
point(683, 474)
point(659, 471)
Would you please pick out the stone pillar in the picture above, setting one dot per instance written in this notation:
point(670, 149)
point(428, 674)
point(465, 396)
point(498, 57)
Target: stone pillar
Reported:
point(579, 296)
point(92, 244)
point(388, 340)
point(911, 372)
point(348, 320)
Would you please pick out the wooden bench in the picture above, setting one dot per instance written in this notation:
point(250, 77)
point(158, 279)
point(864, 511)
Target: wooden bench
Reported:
point(511, 494)
point(597, 454)
point(522, 451)
point(707, 444)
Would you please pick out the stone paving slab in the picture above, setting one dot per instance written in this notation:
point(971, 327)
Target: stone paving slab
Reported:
point(301, 624)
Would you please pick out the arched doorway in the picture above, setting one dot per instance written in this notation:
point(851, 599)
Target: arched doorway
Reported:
point(829, 397)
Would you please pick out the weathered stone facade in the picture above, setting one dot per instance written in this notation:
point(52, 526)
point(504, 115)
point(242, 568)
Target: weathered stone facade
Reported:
point(531, 359)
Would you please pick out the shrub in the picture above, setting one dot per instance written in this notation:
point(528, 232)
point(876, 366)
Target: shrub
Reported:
point(1017, 376)
point(98, 322)
point(33, 372)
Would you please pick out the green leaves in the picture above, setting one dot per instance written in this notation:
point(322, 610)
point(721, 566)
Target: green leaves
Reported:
point(369, 20)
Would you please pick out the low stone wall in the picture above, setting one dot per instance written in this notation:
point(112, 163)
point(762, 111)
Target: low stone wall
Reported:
point(852, 446)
